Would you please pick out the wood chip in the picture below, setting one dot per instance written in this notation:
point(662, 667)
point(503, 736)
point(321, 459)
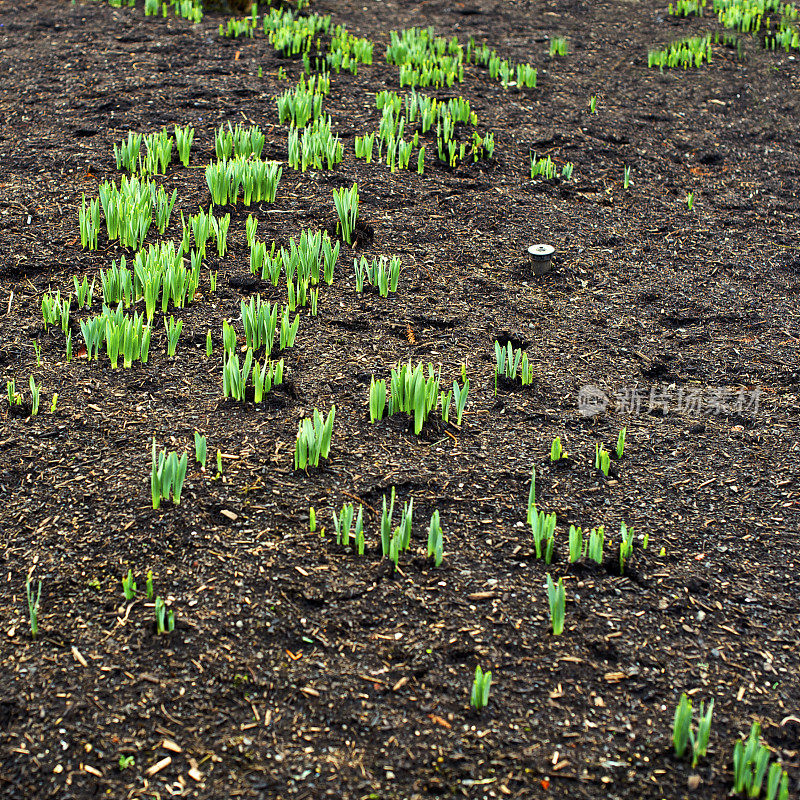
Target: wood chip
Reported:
point(92, 771)
point(435, 718)
point(481, 595)
point(615, 677)
point(400, 684)
point(76, 654)
point(158, 766)
point(229, 515)
point(301, 571)
point(309, 692)
point(173, 747)
point(195, 774)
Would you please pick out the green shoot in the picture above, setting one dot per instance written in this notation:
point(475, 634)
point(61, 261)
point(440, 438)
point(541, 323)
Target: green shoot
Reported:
point(681, 725)
point(165, 618)
point(200, 449)
point(621, 442)
point(556, 451)
point(129, 586)
point(481, 684)
point(626, 177)
point(209, 345)
point(593, 104)
point(596, 542)
point(576, 545)
point(435, 540)
point(690, 200)
point(148, 585)
point(312, 519)
point(625, 546)
point(558, 46)
point(35, 396)
point(556, 599)
point(33, 607)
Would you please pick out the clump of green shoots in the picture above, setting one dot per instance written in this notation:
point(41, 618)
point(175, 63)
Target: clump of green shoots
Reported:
point(547, 169)
point(602, 459)
point(684, 732)
point(258, 180)
point(556, 598)
point(346, 202)
point(511, 362)
point(750, 762)
point(313, 439)
point(183, 142)
point(690, 201)
point(685, 53)
point(84, 292)
point(559, 46)
point(167, 476)
point(126, 153)
point(380, 273)
point(482, 682)
point(410, 393)
point(395, 542)
point(316, 147)
point(543, 527)
point(89, 222)
point(593, 104)
point(343, 522)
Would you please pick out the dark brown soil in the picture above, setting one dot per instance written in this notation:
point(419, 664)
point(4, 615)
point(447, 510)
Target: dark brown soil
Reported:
point(300, 670)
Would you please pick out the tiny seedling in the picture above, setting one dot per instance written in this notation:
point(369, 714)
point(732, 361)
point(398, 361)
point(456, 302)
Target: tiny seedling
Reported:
point(200, 449)
point(690, 200)
point(33, 607)
point(556, 599)
point(165, 617)
point(481, 684)
point(593, 104)
point(126, 762)
point(148, 585)
point(312, 519)
point(556, 451)
point(435, 540)
point(626, 177)
point(620, 450)
point(129, 586)
point(625, 546)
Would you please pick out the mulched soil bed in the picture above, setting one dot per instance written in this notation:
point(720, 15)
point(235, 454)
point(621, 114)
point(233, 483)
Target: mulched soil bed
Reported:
point(297, 668)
